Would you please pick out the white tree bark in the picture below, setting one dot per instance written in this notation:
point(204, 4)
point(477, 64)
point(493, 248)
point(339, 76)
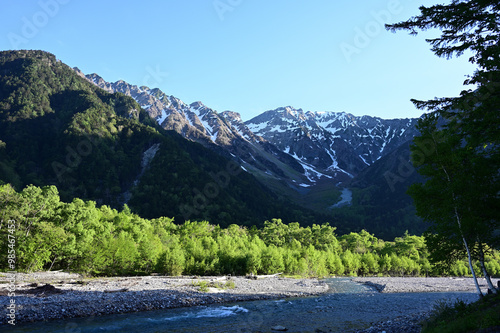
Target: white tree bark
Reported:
point(485, 271)
point(457, 216)
point(459, 222)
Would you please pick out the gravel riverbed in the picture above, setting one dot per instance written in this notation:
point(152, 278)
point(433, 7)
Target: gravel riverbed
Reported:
point(59, 295)
point(412, 323)
point(422, 284)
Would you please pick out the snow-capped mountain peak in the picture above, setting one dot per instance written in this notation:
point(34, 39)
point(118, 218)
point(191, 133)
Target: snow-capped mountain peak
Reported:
point(332, 140)
point(286, 143)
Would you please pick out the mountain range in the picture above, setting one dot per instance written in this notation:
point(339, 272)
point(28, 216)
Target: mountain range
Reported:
point(334, 145)
point(329, 163)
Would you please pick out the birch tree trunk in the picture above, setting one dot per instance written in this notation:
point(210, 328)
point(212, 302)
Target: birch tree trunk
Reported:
point(459, 222)
point(485, 271)
point(472, 268)
point(457, 216)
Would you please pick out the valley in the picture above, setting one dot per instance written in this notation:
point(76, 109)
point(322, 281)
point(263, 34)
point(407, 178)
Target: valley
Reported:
point(309, 158)
point(90, 138)
point(246, 166)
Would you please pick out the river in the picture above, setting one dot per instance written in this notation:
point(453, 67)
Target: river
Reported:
point(346, 307)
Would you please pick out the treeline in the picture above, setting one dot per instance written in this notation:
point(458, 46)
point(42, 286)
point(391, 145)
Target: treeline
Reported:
point(81, 237)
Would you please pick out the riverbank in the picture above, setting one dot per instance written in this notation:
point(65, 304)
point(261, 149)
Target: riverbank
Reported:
point(58, 295)
point(413, 323)
point(422, 284)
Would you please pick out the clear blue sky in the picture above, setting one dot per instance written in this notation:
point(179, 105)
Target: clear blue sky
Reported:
point(247, 56)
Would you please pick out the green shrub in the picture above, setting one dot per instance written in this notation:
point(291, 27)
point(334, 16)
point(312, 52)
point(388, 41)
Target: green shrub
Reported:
point(461, 317)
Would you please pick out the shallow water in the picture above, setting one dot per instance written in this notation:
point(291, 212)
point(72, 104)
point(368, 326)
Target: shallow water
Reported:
point(348, 306)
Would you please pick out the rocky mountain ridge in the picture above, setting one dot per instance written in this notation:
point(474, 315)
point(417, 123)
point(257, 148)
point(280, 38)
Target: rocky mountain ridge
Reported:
point(224, 132)
point(285, 144)
point(333, 143)
point(57, 128)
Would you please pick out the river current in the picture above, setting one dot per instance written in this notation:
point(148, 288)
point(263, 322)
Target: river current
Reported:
point(347, 306)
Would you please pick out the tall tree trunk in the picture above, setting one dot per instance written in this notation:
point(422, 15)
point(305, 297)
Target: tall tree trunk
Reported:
point(485, 271)
point(472, 268)
point(459, 222)
point(457, 216)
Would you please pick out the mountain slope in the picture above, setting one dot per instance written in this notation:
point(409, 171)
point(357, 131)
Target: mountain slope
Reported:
point(288, 147)
point(204, 125)
point(58, 128)
point(305, 157)
point(379, 200)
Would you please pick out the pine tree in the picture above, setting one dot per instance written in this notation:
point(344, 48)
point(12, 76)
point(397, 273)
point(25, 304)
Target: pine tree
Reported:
point(458, 150)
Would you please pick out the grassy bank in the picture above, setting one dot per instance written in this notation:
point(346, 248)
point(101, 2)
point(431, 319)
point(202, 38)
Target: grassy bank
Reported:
point(480, 316)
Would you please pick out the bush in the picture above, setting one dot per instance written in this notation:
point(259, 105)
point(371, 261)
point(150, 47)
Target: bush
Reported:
point(461, 317)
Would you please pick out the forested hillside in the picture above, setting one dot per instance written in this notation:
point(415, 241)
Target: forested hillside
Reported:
point(57, 128)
